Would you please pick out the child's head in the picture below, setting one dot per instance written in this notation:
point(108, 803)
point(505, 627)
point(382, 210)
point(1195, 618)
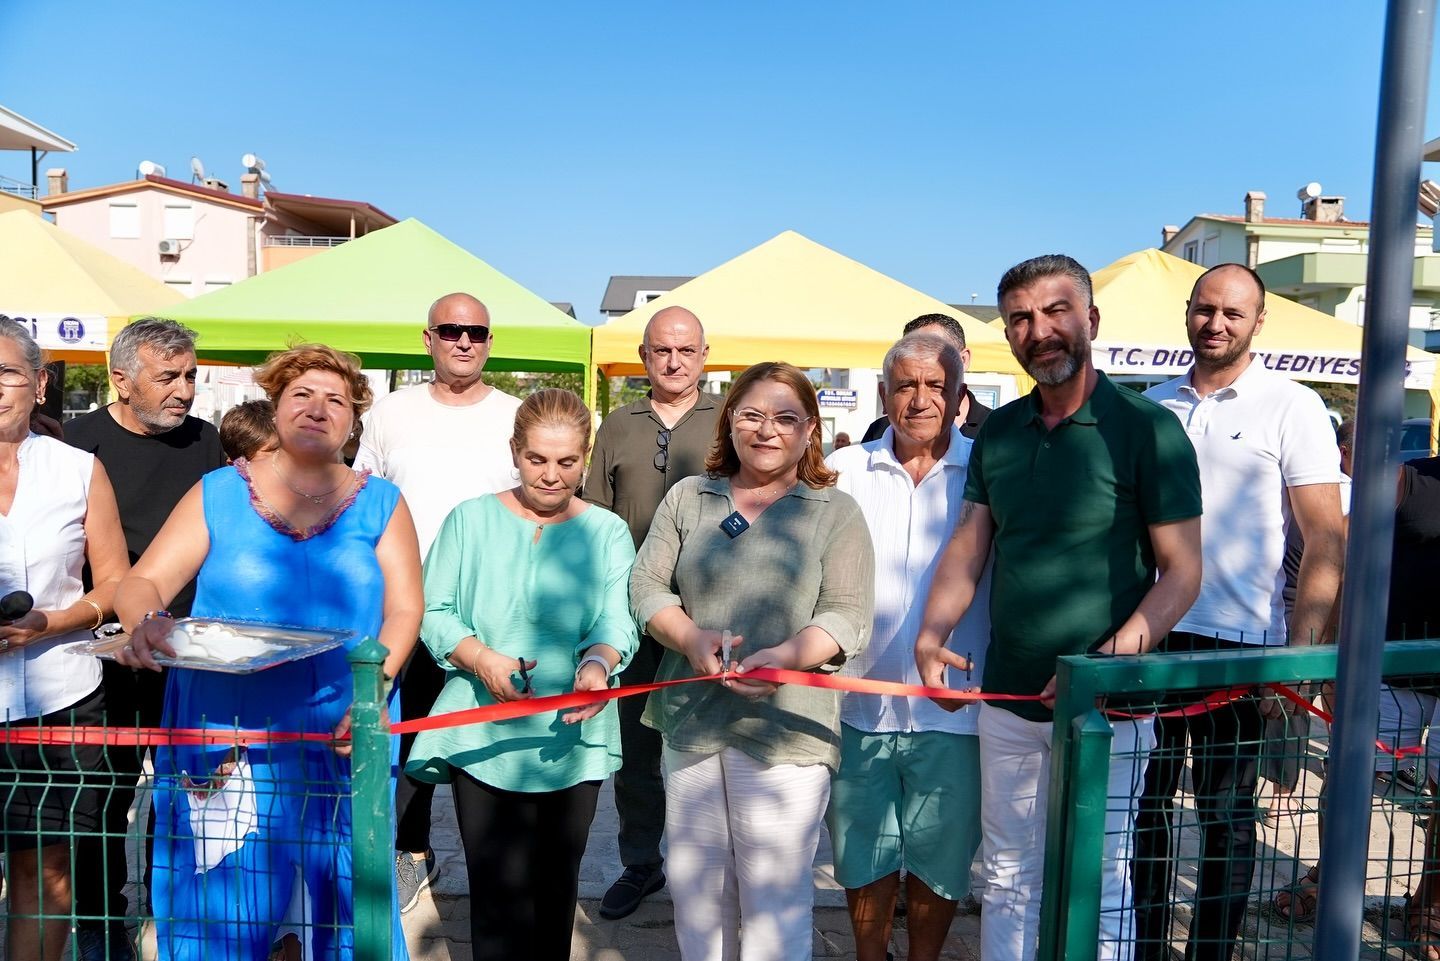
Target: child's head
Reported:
point(248, 429)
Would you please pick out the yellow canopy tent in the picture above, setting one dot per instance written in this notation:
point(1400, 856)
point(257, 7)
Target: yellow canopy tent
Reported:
point(1142, 329)
point(72, 295)
point(792, 299)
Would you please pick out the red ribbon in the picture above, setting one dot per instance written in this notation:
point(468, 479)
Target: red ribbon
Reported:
point(1296, 698)
point(504, 711)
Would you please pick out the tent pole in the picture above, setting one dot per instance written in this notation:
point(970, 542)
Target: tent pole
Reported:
point(1389, 282)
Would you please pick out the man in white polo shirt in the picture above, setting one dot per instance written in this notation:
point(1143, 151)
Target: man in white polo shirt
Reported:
point(1267, 459)
point(907, 792)
point(440, 443)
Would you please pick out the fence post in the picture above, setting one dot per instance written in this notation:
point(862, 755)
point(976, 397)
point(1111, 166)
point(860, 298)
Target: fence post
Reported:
point(1074, 702)
point(373, 839)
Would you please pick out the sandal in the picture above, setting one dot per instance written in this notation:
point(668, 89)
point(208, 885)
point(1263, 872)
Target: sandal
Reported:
point(1297, 902)
point(1422, 927)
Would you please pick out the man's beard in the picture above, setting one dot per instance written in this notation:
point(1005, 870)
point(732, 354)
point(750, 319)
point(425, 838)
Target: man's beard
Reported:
point(1058, 369)
point(1220, 360)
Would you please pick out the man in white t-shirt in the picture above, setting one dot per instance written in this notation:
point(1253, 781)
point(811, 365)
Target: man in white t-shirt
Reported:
point(441, 443)
point(1267, 459)
point(907, 791)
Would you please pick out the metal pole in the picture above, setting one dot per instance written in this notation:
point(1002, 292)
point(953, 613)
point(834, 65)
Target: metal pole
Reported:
point(1399, 140)
point(372, 792)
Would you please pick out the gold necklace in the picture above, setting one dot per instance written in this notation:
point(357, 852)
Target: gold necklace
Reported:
point(316, 499)
point(763, 495)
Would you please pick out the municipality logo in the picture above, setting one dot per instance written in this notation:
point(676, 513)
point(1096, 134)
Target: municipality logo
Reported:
point(71, 330)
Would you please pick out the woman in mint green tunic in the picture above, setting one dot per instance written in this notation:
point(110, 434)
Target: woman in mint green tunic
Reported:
point(526, 594)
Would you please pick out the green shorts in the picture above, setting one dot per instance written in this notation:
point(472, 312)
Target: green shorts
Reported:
point(910, 800)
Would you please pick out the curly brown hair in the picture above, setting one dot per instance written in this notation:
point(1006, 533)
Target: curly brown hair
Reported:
point(282, 367)
point(724, 461)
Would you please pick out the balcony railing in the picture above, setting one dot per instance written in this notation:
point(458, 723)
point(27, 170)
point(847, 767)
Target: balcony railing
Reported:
point(19, 188)
point(306, 241)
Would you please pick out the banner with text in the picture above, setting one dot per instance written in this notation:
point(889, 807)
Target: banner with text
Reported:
point(1322, 366)
point(63, 331)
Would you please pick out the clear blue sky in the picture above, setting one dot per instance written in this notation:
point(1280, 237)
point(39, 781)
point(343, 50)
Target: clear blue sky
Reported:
point(565, 142)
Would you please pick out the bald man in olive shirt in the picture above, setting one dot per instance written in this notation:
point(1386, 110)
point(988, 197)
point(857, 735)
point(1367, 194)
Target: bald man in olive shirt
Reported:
point(641, 451)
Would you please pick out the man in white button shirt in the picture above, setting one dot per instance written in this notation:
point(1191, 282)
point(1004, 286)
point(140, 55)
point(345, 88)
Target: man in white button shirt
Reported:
point(441, 443)
point(1267, 459)
point(907, 792)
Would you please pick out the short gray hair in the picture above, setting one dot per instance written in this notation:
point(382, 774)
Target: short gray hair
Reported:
point(924, 345)
point(166, 337)
point(18, 332)
point(1027, 272)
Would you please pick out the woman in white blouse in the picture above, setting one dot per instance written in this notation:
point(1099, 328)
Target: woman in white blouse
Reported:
point(57, 511)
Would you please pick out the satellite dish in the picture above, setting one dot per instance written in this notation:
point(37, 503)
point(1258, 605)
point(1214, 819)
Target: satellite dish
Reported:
point(149, 168)
point(1310, 191)
point(197, 170)
point(248, 160)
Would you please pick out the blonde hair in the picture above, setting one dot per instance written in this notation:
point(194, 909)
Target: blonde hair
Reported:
point(284, 366)
point(724, 461)
point(551, 407)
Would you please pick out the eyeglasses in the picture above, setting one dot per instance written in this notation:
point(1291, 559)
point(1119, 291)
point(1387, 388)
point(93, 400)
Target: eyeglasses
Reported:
point(16, 376)
point(751, 420)
point(479, 333)
point(662, 456)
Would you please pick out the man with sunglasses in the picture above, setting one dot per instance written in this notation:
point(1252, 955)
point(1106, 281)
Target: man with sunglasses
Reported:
point(641, 451)
point(441, 443)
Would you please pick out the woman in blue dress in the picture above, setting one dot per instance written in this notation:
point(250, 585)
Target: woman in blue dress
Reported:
point(296, 539)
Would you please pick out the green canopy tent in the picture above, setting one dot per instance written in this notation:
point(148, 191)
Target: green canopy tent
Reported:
point(369, 296)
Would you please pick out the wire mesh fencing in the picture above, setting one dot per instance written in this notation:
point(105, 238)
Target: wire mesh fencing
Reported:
point(1222, 857)
point(212, 842)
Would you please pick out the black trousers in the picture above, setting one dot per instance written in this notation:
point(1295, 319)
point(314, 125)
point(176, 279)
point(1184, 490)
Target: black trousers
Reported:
point(639, 788)
point(132, 698)
point(522, 854)
point(421, 681)
point(1224, 749)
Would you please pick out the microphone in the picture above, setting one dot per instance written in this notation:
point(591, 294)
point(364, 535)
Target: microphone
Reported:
point(15, 605)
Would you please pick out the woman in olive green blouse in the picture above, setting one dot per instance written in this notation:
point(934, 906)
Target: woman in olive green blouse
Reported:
point(525, 595)
point(765, 548)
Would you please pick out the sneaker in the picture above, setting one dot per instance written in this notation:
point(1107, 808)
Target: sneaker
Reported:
point(101, 941)
point(633, 887)
point(1409, 779)
point(413, 875)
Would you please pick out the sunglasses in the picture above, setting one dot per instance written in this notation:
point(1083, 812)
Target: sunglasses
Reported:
point(479, 333)
point(662, 456)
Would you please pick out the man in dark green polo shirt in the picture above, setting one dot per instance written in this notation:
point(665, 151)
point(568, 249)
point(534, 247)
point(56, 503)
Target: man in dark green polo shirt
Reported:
point(641, 451)
point(1089, 497)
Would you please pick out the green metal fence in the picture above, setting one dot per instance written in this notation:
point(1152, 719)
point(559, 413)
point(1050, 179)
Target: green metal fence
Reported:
point(32, 911)
point(1286, 845)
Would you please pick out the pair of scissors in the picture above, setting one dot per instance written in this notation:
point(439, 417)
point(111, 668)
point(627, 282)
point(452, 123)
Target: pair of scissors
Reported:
point(725, 640)
point(524, 677)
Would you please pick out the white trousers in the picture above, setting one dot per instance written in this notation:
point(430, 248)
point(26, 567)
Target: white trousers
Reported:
point(1014, 791)
point(741, 841)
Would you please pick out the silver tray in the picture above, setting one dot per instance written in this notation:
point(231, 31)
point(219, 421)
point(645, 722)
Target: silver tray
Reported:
point(292, 643)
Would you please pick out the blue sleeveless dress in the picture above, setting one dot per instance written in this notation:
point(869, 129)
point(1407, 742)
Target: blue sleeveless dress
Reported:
point(228, 901)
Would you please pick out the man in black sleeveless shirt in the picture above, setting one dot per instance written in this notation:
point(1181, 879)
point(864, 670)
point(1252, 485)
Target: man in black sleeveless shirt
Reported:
point(154, 452)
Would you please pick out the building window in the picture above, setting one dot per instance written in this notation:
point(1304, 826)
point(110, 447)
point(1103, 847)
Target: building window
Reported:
point(124, 220)
point(643, 297)
point(179, 221)
point(182, 284)
point(215, 283)
point(1192, 251)
point(1210, 251)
